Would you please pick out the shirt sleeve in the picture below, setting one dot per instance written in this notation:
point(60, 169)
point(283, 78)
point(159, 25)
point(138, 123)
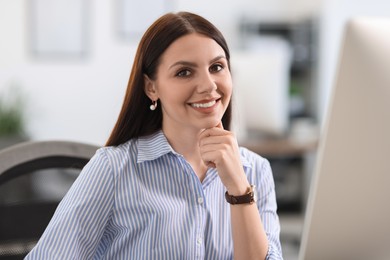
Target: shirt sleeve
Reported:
point(267, 206)
point(77, 226)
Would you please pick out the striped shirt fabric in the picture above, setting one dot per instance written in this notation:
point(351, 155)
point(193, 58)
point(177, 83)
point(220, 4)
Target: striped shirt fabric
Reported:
point(142, 200)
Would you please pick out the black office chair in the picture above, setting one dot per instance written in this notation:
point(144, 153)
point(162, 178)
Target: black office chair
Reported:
point(24, 171)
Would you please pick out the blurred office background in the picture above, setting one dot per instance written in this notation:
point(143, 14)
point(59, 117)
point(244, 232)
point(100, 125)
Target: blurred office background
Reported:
point(64, 67)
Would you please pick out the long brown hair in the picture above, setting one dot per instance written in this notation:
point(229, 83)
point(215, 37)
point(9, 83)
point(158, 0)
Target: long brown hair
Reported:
point(135, 118)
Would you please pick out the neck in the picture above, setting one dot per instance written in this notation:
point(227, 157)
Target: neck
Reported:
point(186, 143)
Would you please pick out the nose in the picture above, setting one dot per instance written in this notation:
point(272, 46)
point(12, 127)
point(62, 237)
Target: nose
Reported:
point(206, 83)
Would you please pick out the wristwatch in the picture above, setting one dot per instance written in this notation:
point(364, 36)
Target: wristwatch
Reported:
point(248, 198)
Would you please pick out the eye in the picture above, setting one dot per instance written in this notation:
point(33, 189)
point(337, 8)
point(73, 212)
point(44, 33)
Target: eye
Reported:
point(216, 67)
point(183, 73)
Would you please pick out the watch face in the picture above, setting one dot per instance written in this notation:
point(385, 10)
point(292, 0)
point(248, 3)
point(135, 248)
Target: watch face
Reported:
point(254, 197)
point(254, 193)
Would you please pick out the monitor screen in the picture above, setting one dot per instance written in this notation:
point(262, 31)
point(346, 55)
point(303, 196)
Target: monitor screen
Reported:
point(348, 211)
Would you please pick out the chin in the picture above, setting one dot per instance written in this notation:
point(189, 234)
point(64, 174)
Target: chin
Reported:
point(210, 123)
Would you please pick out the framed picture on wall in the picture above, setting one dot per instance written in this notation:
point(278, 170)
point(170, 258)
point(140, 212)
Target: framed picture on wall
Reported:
point(58, 28)
point(135, 16)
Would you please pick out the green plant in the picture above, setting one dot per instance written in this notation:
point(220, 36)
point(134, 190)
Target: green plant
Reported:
point(12, 113)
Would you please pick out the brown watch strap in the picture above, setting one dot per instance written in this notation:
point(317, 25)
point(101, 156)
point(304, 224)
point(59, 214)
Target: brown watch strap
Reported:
point(247, 198)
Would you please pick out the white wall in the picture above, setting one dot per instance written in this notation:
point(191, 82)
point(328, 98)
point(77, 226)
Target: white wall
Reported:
point(334, 14)
point(80, 99)
point(66, 99)
point(226, 14)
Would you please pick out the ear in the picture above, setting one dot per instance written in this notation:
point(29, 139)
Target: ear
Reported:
point(150, 88)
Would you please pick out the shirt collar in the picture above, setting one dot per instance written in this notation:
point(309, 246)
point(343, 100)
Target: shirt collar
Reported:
point(156, 145)
point(152, 147)
point(245, 162)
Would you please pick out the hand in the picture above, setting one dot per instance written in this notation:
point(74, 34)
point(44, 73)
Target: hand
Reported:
point(219, 149)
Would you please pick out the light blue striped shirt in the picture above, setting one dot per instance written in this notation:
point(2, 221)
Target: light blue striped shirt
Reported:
point(142, 200)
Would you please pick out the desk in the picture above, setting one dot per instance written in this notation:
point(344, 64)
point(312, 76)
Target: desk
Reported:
point(279, 147)
point(292, 163)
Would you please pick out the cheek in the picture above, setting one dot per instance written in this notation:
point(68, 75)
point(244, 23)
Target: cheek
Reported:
point(174, 97)
point(228, 88)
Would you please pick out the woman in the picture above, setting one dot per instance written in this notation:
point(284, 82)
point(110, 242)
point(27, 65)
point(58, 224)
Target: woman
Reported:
point(171, 182)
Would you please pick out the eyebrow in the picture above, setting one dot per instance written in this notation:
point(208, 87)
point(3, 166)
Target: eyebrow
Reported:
point(192, 64)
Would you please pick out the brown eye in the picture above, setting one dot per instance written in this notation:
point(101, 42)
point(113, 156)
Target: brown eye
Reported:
point(183, 73)
point(216, 68)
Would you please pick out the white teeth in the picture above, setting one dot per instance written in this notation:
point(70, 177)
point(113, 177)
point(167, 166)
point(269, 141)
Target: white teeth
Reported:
point(204, 105)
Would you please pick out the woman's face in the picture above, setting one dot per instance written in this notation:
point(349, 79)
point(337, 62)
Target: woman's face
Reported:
point(193, 84)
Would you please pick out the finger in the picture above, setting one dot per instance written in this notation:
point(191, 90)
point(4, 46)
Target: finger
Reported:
point(215, 140)
point(215, 131)
point(209, 157)
point(211, 164)
point(211, 147)
point(209, 131)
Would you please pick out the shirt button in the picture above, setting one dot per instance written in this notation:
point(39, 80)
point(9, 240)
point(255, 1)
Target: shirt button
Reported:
point(199, 240)
point(200, 200)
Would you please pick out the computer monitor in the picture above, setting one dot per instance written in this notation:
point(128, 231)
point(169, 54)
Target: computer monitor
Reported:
point(348, 211)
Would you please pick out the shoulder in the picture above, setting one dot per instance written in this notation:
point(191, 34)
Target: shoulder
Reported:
point(252, 158)
point(256, 167)
point(119, 150)
point(117, 156)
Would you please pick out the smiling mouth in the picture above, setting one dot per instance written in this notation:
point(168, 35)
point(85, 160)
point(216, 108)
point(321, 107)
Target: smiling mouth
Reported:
point(204, 105)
